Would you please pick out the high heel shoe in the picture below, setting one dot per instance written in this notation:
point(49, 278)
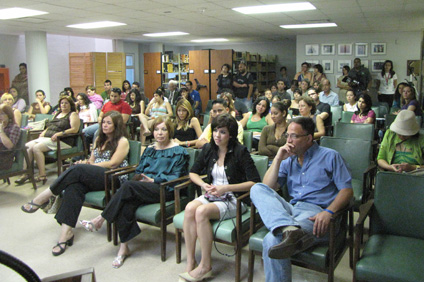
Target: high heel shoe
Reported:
point(22, 179)
point(41, 178)
point(32, 205)
point(69, 243)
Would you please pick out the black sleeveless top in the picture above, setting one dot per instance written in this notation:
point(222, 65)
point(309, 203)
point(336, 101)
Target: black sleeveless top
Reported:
point(185, 135)
point(58, 125)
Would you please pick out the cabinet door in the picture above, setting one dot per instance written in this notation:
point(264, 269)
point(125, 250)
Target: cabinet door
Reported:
point(218, 58)
point(152, 79)
point(100, 74)
point(199, 69)
point(80, 71)
point(116, 69)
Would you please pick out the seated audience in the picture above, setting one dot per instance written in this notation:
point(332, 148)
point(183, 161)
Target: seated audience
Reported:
point(40, 106)
point(187, 126)
point(18, 103)
point(94, 97)
point(71, 93)
point(397, 97)
point(156, 108)
point(86, 110)
point(409, 100)
point(108, 88)
point(55, 109)
point(136, 100)
point(184, 95)
point(317, 85)
point(327, 95)
point(9, 136)
point(343, 84)
point(230, 170)
point(195, 96)
point(281, 90)
point(228, 97)
point(295, 102)
point(351, 105)
point(256, 120)
point(304, 86)
point(219, 106)
point(323, 109)
point(126, 88)
point(364, 114)
point(304, 221)
point(272, 137)
point(294, 85)
point(161, 162)
point(66, 121)
point(307, 108)
point(240, 107)
point(268, 95)
point(304, 73)
point(318, 75)
point(402, 149)
point(7, 99)
point(273, 89)
point(111, 150)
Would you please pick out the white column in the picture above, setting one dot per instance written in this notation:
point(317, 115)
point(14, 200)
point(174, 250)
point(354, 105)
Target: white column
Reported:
point(37, 64)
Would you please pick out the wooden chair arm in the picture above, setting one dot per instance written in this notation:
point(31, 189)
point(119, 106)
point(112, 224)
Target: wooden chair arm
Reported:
point(179, 187)
point(124, 170)
point(364, 211)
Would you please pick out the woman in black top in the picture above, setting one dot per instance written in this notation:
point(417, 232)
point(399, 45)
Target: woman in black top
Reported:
point(225, 79)
point(230, 170)
point(187, 126)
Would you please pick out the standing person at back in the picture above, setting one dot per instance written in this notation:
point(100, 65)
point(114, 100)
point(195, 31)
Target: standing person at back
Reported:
point(195, 96)
point(387, 83)
point(284, 77)
point(243, 85)
point(360, 78)
point(225, 79)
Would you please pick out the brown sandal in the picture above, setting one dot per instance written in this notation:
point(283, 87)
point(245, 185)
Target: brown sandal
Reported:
point(41, 178)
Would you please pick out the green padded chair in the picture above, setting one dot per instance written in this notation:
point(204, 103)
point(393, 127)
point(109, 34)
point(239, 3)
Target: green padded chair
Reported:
point(354, 130)
point(390, 118)
point(24, 121)
point(394, 251)
point(60, 155)
point(99, 199)
point(357, 154)
point(322, 257)
point(346, 117)
point(206, 118)
point(21, 155)
point(336, 112)
point(227, 233)
point(377, 112)
point(248, 139)
point(39, 117)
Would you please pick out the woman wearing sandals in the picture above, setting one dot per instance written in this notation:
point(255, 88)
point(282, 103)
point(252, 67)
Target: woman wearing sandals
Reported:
point(230, 169)
point(161, 162)
point(66, 121)
point(111, 150)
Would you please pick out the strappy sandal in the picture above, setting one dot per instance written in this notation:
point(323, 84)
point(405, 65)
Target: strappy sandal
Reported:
point(22, 179)
point(88, 225)
point(41, 178)
point(69, 243)
point(119, 261)
point(32, 205)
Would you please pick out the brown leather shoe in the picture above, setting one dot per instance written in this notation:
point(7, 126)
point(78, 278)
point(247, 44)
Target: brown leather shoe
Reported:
point(294, 241)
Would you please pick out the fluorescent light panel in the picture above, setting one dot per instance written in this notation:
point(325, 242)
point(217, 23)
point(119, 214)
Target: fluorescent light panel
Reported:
point(163, 34)
point(96, 25)
point(210, 40)
point(315, 25)
point(277, 8)
point(16, 13)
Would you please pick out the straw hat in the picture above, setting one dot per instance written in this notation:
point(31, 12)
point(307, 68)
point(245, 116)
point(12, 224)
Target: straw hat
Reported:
point(405, 124)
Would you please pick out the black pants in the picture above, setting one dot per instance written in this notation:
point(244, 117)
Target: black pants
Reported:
point(386, 98)
point(76, 182)
point(123, 205)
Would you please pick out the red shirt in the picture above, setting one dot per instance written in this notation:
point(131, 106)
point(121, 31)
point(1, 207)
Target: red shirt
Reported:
point(121, 107)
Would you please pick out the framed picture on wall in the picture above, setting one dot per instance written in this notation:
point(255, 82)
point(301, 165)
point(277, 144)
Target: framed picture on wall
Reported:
point(312, 49)
point(345, 49)
point(327, 65)
point(342, 63)
point(364, 63)
point(378, 48)
point(361, 49)
point(328, 49)
point(377, 65)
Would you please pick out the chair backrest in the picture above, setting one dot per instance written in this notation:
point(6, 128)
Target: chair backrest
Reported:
point(357, 153)
point(39, 117)
point(261, 163)
point(337, 114)
point(24, 121)
point(398, 205)
point(134, 152)
point(206, 118)
point(208, 107)
point(248, 139)
point(354, 130)
point(193, 153)
point(376, 110)
point(346, 116)
point(390, 118)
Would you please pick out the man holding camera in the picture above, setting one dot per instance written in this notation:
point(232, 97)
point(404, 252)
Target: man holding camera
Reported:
point(359, 77)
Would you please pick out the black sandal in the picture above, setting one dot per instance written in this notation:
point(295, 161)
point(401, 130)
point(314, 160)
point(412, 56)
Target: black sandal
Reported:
point(32, 205)
point(69, 243)
point(22, 179)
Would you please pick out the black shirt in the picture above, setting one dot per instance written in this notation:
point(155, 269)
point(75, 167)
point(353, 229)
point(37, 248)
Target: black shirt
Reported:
point(224, 82)
point(324, 108)
point(247, 78)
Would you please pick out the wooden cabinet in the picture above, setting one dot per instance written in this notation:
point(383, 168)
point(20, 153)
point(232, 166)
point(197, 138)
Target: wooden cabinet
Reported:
point(152, 73)
point(199, 69)
point(94, 68)
point(4, 80)
point(218, 58)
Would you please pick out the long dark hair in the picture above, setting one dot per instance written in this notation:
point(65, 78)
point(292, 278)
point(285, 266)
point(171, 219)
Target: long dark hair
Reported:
point(119, 132)
point(368, 102)
point(228, 121)
point(137, 99)
point(391, 71)
point(414, 93)
point(262, 98)
point(398, 95)
point(129, 85)
point(87, 101)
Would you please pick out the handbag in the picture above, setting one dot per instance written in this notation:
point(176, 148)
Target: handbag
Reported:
point(54, 204)
point(37, 125)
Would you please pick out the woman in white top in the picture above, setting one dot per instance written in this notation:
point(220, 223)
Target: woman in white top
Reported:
point(87, 111)
point(351, 105)
point(386, 83)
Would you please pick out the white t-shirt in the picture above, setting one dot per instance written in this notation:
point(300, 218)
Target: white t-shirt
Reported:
point(387, 86)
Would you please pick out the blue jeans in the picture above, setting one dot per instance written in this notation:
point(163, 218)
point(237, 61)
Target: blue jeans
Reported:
point(247, 102)
point(276, 212)
point(90, 132)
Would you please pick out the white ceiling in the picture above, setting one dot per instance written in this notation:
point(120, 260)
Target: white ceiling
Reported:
point(213, 18)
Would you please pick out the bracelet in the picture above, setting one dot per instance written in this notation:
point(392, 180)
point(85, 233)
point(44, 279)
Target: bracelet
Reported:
point(187, 144)
point(327, 210)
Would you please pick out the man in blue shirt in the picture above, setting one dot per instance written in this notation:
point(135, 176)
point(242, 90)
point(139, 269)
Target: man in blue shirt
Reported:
point(195, 96)
point(327, 95)
point(319, 183)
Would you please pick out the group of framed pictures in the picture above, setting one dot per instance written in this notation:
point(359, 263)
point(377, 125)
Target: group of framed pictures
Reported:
point(361, 49)
point(329, 67)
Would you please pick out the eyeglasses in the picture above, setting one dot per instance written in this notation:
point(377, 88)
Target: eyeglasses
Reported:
point(294, 136)
point(313, 93)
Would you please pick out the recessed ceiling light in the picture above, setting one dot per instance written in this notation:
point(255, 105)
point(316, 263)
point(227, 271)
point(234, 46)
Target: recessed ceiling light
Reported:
point(162, 34)
point(315, 25)
point(210, 40)
point(289, 7)
point(96, 25)
point(16, 13)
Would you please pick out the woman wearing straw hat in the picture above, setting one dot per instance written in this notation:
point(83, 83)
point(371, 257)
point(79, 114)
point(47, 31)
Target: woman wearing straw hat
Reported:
point(402, 149)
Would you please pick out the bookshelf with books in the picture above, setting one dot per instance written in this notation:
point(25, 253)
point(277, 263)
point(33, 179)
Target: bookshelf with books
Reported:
point(174, 67)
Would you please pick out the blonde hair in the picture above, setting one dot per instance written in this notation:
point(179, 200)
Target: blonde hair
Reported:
point(230, 102)
point(5, 96)
point(190, 114)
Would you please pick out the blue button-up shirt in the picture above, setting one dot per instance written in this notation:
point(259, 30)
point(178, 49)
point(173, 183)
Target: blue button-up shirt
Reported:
point(319, 179)
point(332, 99)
